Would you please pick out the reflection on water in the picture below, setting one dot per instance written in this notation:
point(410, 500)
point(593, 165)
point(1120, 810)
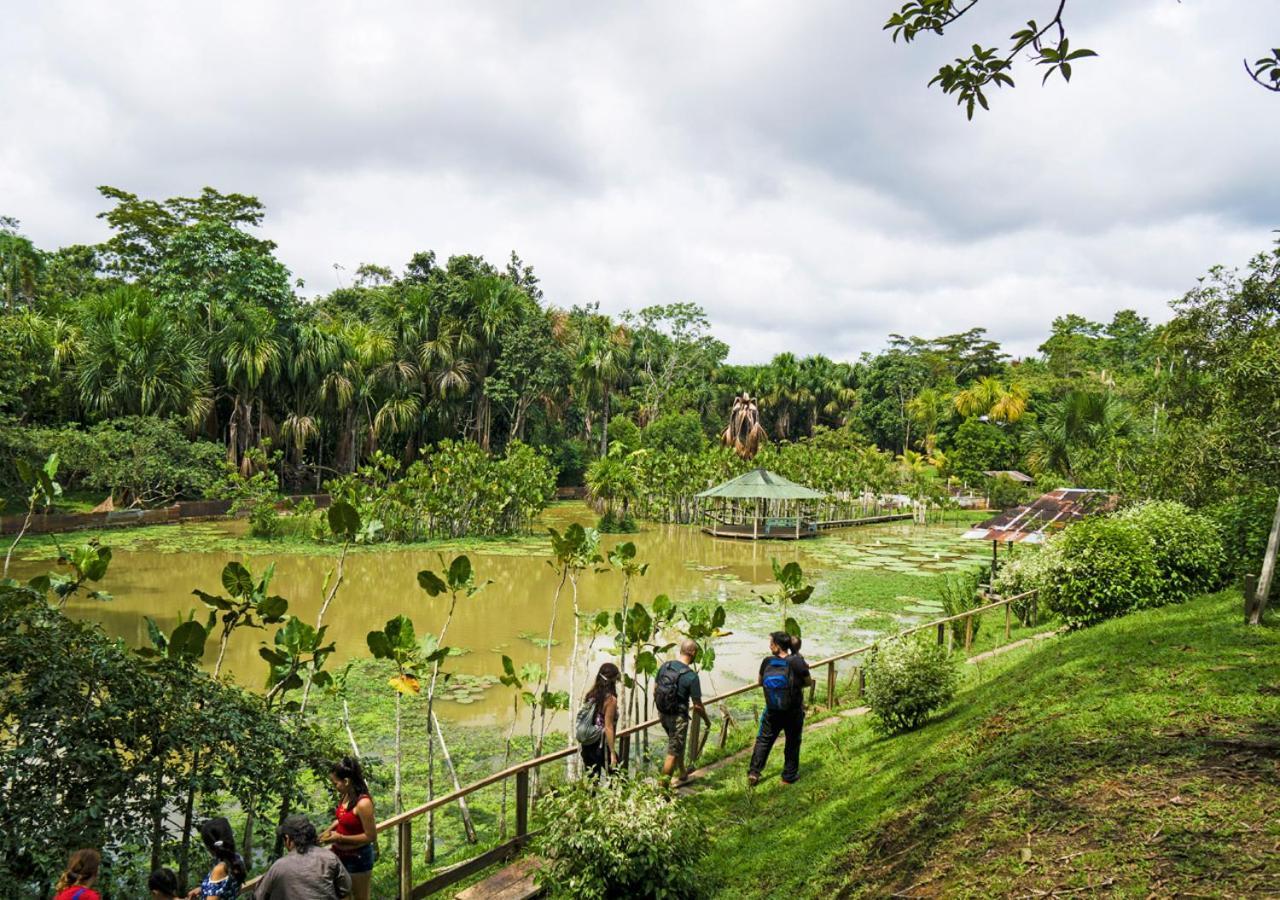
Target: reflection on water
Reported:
point(505, 617)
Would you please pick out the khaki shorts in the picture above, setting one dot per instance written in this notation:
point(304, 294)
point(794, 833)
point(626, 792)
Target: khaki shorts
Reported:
point(677, 727)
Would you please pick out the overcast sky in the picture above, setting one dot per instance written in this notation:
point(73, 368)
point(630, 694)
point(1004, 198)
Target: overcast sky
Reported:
point(781, 164)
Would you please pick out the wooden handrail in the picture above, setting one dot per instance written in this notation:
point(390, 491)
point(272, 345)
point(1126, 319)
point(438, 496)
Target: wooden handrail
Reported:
point(407, 816)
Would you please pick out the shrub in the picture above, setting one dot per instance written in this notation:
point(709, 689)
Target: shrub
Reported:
point(624, 433)
point(137, 459)
point(1100, 568)
point(1186, 547)
point(959, 593)
point(616, 522)
point(1025, 570)
point(622, 838)
point(681, 432)
point(907, 679)
point(1005, 493)
point(1243, 524)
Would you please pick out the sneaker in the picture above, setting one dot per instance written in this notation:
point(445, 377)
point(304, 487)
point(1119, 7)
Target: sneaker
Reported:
point(752, 779)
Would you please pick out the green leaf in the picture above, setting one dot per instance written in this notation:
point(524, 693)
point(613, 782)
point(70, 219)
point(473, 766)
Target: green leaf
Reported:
point(792, 627)
point(344, 520)
point(379, 646)
point(459, 572)
point(431, 583)
point(273, 657)
point(237, 580)
point(272, 609)
point(187, 641)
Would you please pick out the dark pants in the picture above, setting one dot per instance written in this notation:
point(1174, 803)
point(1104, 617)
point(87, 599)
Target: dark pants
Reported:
point(789, 722)
point(595, 757)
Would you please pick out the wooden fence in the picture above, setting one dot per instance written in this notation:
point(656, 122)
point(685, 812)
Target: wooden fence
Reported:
point(182, 511)
point(402, 823)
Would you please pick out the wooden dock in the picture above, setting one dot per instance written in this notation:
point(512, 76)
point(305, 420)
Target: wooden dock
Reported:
point(774, 531)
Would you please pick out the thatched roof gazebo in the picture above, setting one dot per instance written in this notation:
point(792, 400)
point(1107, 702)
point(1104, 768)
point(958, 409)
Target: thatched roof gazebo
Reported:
point(760, 504)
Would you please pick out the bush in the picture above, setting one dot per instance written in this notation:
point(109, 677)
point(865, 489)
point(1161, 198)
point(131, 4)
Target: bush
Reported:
point(1243, 524)
point(137, 459)
point(907, 679)
point(959, 593)
point(621, 838)
point(681, 432)
point(1186, 547)
point(1100, 568)
point(617, 522)
point(1025, 570)
point(624, 433)
point(1005, 493)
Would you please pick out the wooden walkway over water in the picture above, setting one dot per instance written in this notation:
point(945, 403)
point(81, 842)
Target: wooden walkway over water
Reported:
point(792, 530)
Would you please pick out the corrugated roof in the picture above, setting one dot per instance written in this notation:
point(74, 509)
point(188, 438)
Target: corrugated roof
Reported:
point(761, 484)
point(1050, 513)
point(1010, 473)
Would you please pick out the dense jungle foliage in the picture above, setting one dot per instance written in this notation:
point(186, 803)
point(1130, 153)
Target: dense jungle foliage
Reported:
point(185, 315)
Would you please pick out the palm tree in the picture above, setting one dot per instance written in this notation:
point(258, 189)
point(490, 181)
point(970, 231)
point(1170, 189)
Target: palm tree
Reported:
point(990, 397)
point(929, 408)
point(20, 266)
point(496, 303)
point(1081, 419)
point(134, 361)
point(601, 362)
point(251, 353)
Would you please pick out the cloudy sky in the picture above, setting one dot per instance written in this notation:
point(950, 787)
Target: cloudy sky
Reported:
point(782, 164)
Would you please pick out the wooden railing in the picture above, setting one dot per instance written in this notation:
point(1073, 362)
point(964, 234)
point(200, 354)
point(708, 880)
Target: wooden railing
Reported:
point(402, 823)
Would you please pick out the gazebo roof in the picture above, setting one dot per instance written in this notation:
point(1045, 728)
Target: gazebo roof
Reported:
point(761, 484)
point(1048, 514)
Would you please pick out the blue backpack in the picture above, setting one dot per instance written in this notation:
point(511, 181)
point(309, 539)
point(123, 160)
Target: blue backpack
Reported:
point(777, 682)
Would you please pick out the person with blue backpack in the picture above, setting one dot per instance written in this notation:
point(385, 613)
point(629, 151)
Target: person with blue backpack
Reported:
point(783, 677)
point(675, 688)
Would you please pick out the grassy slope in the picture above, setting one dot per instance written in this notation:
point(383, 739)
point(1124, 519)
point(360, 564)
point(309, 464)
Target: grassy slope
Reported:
point(1140, 755)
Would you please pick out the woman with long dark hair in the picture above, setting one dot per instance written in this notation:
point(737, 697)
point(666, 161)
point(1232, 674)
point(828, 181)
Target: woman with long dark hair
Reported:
point(77, 880)
point(597, 721)
point(228, 872)
point(353, 834)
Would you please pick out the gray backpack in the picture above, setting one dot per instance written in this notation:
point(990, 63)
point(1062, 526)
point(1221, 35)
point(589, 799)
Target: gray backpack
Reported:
point(585, 730)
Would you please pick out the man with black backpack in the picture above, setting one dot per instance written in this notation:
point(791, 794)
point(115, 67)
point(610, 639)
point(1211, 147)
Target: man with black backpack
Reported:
point(783, 676)
point(675, 687)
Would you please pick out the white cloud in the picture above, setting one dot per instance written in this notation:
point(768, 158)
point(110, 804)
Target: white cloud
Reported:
point(783, 166)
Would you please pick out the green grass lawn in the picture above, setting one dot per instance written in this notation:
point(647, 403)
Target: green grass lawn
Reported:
point(1136, 757)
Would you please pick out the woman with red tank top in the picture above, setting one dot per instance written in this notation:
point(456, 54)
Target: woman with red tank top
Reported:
point(77, 881)
point(353, 835)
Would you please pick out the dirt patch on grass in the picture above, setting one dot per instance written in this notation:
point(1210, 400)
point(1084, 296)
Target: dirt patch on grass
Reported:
point(1201, 826)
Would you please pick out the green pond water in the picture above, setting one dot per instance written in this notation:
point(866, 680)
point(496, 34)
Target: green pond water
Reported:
point(510, 615)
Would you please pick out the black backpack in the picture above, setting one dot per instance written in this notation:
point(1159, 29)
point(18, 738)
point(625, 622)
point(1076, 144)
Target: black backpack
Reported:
point(666, 688)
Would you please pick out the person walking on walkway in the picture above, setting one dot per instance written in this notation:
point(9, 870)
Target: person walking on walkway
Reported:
point(353, 835)
point(228, 872)
point(79, 877)
point(597, 721)
point(783, 677)
point(305, 872)
point(675, 688)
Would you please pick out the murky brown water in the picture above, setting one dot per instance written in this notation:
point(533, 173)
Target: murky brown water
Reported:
point(505, 617)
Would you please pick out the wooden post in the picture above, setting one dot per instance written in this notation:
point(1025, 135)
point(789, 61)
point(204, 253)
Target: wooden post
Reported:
point(1268, 571)
point(951, 639)
point(831, 685)
point(1250, 595)
point(522, 803)
point(994, 547)
point(404, 858)
point(862, 682)
point(624, 750)
point(942, 635)
point(968, 633)
point(724, 728)
point(1008, 616)
point(695, 728)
